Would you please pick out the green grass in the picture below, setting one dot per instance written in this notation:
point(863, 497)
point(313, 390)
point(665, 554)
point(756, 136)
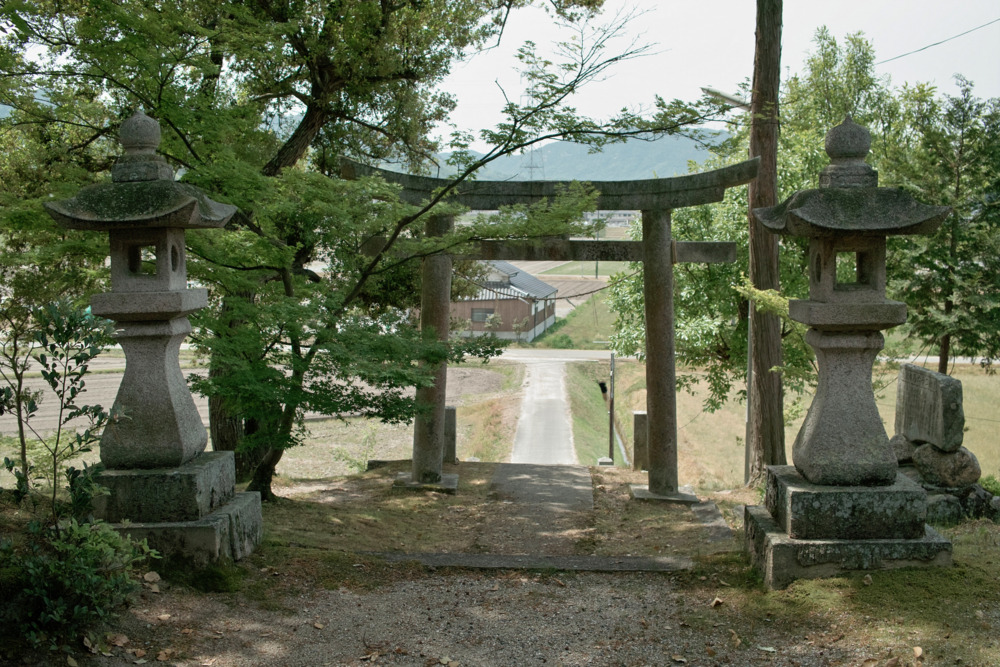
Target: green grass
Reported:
point(709, 445)
point(588, 327)
point(486, 429)
point(590, 412)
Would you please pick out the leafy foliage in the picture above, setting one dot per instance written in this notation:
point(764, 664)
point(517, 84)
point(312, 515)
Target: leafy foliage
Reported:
point(64, 343)
point(938, 150)
point(63, 582)
point(312, 280)
point(63, 576)
point(949, 155)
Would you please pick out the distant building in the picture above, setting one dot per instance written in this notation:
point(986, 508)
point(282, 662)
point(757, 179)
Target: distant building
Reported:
point(512, 303)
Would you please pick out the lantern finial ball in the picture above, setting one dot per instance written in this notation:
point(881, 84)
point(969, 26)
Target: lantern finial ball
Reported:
point(848, 141)
point(140, 134)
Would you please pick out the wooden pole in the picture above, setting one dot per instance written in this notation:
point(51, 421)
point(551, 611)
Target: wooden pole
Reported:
point(765, 435)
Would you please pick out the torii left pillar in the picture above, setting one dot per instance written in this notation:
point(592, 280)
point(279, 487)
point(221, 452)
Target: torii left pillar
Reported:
point(429, 424)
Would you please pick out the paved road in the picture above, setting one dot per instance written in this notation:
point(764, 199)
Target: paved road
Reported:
point(544, 431)
point(544, 434)
point(101, 389)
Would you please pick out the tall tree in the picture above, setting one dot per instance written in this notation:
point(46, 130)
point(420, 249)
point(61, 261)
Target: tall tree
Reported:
point(711, 302)
point(257, 101)
point(765, 434)
point(948, 152)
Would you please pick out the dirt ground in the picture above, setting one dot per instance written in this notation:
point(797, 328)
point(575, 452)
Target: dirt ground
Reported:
point(313, 593)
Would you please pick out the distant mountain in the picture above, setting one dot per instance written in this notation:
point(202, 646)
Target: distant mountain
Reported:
point(564, 161)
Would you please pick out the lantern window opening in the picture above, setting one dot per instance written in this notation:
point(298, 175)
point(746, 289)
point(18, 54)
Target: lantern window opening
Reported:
point(142, 260)
point(856, 270)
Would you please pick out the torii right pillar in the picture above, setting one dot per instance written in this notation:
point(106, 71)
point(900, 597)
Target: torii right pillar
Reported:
point(844, 506)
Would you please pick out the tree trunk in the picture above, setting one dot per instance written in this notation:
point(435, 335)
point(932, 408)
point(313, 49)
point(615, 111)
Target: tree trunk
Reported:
point(264, 473)
point(283, 417)
point(297, 145)
point(944, 343)
point(227, 430)
point(765, 436)
point(226, 427)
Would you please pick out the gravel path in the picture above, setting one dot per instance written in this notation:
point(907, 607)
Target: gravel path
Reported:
point(462, 618)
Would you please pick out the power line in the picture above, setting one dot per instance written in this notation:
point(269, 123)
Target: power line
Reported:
point(924, 48)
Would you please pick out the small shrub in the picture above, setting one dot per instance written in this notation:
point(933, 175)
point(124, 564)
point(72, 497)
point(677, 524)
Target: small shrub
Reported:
point(65, 580)
point(560, 342)
point(991, 484)
point(83, 488)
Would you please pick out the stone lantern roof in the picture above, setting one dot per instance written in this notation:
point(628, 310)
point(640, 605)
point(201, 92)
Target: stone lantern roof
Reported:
point(849, 201)
point(143, 192)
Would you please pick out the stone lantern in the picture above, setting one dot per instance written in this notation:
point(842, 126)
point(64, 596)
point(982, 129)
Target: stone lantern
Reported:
point(160, 480)
point(844, 505)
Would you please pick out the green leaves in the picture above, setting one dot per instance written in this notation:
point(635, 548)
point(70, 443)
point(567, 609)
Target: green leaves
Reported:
point(65, 341)
point(949, 280)
point(68, 580)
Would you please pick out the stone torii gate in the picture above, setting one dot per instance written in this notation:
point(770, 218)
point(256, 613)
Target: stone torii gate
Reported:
point(655, 198)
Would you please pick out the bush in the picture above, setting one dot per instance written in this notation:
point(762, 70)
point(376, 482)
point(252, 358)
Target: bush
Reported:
point(991, 484)
point(560, 342)
point(63, 581)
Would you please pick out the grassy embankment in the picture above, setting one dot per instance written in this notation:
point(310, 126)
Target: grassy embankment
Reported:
point(336, 447)
point(587, 327)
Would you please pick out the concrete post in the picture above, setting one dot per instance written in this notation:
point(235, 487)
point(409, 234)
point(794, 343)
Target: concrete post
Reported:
point(640, 456)
point(450, 434)
point(435, 298)
point(661, 401)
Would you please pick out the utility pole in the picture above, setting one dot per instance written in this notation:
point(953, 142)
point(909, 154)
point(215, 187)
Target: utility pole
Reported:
point(611, 412)
point(765, 434)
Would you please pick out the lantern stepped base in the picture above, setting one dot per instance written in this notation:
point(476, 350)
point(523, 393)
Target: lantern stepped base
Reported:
point(230, 533)
point(812, 531)
point(782, 559)
point(190, 511)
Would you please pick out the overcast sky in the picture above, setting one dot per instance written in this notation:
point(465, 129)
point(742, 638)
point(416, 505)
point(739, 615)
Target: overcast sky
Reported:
point(711, 44)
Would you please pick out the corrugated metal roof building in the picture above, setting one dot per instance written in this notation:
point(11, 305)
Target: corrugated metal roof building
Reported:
point(511, 303)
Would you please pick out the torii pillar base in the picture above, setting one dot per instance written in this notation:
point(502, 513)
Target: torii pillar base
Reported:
point(447, 484)
point(642, 492)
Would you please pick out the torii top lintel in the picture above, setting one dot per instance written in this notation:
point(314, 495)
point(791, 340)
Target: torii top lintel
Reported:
point(638, 195)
